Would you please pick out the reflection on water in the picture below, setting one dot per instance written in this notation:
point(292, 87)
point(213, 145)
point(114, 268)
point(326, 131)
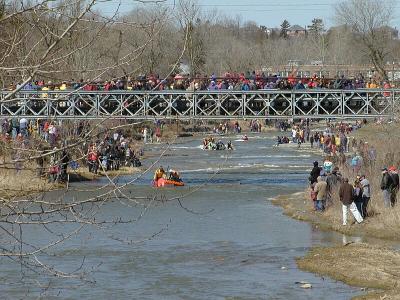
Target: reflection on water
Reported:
point(236, 246)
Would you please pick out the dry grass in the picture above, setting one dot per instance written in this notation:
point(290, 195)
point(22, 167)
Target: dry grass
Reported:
point(358, 264)
point(382, 222)
point(84, 173)
point(24, 182)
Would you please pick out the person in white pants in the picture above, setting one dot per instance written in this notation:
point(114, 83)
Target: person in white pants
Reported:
point(346, 197)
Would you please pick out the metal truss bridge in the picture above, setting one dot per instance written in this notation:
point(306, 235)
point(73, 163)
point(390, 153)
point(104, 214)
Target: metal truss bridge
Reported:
point(207, 105)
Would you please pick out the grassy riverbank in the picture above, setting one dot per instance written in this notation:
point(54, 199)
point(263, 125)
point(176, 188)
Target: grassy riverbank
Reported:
point(21, 183)
point(360, 265)
point(364, 265)
point(299, 207)
point(83, 174)
point(25, 182)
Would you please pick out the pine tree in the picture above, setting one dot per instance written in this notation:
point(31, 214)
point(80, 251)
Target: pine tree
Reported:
point(2, 8)
point(284, 28)
point(316, 27)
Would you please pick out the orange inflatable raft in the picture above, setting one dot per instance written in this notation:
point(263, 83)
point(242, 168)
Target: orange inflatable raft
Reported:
point(166, 182)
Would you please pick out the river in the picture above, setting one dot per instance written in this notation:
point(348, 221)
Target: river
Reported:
point(224, 240)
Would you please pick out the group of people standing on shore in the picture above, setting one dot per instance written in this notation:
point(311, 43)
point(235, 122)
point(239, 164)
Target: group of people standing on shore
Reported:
point(112, 153)
point(54, 158)
point(326, 181)
point(22, 129)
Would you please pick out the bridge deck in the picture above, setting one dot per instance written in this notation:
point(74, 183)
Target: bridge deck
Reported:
point(262, 104)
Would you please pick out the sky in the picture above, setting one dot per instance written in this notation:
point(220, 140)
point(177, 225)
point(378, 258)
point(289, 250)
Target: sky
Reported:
point(264, 12)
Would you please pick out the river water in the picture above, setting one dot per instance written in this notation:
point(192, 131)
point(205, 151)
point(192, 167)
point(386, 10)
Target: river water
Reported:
point(223, 240)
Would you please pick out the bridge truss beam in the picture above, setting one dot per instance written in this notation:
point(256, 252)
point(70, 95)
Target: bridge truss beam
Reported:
point(137, 105)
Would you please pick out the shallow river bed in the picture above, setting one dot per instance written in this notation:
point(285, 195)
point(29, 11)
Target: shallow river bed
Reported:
point(224, 240)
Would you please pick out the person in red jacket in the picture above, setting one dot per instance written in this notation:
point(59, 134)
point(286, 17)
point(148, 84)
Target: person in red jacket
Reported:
point(93, 160)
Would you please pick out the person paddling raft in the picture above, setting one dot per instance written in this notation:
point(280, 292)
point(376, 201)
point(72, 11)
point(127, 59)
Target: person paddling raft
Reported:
point(160, 173)
point(174, 176)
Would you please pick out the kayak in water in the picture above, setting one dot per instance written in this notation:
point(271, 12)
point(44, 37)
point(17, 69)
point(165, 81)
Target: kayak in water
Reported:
point(243, 139)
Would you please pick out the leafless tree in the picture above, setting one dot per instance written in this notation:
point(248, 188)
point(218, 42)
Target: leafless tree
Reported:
point(54, 40)
point(369, 20)
point(189, 18)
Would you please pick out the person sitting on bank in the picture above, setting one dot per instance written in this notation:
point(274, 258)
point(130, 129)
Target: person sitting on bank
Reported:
point(346, 197)
point(174, 175)
point(160, 173)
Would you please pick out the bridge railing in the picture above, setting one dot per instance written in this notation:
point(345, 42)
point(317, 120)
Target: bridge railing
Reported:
point(201, 104)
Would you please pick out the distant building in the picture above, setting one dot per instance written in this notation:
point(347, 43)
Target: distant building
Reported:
point(270, 31)
point(391, 32)
point(296, 30)
point(184, 68)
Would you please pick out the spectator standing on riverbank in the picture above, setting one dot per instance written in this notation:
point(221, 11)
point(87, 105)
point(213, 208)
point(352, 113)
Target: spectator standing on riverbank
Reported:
point(328, 165)
point(320, 189)
point(332, 181)
point(93, 159)
point(366, 195)
point(395, 187)
point(357, 195)
point(312, 141)
point(386, 187)
point(314, 173)
point(356, 163)
point(346, 197)
point(313, 196)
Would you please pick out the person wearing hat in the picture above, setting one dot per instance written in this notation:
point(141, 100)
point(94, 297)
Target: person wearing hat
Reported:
point(386, 187)
point(328, 165)
point(395, 188)
point(346, 197)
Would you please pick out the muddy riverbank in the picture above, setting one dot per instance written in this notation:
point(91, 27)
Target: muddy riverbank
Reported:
point(366, 265)
point(374, 264)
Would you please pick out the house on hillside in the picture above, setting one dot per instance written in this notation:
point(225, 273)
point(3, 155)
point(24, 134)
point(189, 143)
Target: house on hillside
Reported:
point(392, 33)
point(296, 30)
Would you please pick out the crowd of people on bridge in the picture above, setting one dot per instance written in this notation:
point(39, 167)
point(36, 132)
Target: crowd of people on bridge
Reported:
point(248, 81)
